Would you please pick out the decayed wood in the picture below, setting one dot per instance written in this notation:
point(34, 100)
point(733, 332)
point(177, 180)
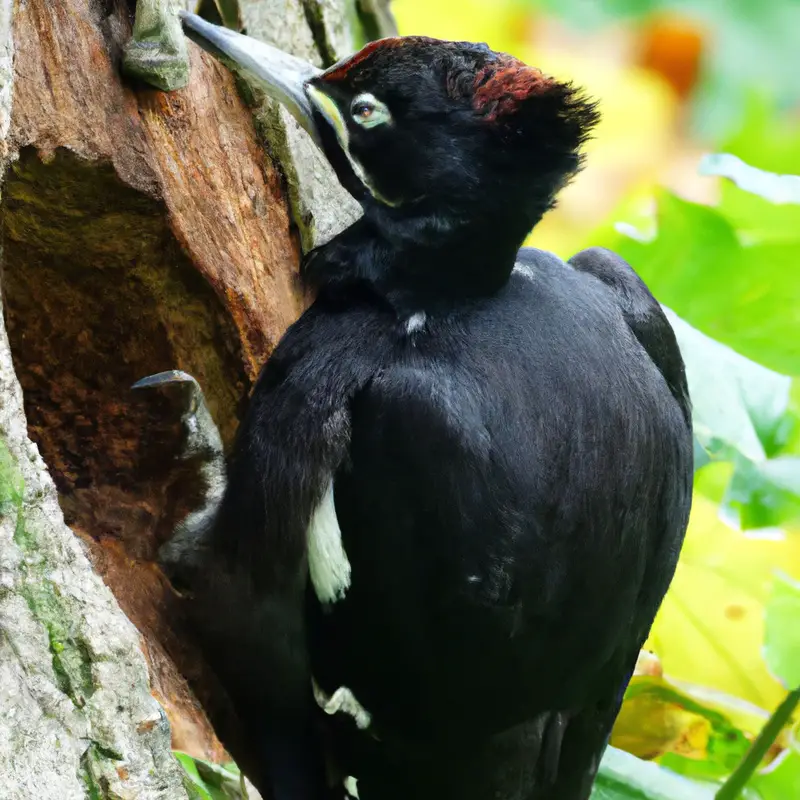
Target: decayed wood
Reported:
point(195, 150)
point(77, 718)
point(145, 231)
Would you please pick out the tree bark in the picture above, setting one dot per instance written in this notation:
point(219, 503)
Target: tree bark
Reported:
point(141, 231)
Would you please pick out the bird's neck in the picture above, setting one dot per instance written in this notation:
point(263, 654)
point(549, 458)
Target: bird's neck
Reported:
point(422, 262)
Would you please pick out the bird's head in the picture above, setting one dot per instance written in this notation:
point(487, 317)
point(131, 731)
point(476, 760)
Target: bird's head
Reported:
point(424, 121)
point(416, 127)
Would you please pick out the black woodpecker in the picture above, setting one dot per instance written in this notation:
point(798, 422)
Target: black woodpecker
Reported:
point(460, 490)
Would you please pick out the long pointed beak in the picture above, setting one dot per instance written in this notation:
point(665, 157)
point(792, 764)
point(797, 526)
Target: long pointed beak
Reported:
point(282, 76)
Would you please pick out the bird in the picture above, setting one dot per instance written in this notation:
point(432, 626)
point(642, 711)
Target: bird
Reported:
point(460, 490)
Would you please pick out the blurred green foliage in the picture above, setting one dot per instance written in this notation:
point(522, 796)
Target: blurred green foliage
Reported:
point(705, 259)
point(207, 781)
point(782, 649)
point(730, 275)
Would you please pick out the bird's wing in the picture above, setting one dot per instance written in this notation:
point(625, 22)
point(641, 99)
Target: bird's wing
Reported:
point(644, 316)
point(499, 462)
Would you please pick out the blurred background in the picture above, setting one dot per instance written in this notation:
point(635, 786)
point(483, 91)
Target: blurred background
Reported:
point(717, 238)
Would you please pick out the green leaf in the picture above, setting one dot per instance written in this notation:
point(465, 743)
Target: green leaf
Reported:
point(767, 142)
point(739, 293)
point(765, 494)
point(694, 246)
point(777, 189)
point(749, 766)
point(756, 220)
point(658, 718)
point(782, 633)
point(736, 402)
point(765, 138)
point(211, 781)
point(625, 777)
point(745, 414)
point(780, 781)
point(710, 628)
point(197, 788)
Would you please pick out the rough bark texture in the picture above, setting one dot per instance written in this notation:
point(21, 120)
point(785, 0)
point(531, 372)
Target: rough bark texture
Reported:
point(141, 231)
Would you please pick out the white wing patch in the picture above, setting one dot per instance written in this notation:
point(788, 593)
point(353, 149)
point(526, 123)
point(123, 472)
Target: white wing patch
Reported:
point(416, 322)
point(525, 270)
point(327, 561)
point(342, 701)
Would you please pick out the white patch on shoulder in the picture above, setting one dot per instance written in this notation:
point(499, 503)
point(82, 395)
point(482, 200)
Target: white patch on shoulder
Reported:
point(416, 322)
point(327, 561)
point(525, 271)
point(343, 701)
point(351, 786)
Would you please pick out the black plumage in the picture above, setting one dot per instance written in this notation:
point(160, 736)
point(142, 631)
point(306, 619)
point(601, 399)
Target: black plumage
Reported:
point(507, 440)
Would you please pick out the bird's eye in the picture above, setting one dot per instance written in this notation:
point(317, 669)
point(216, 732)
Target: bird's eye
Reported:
point(367, 111)
point(363, 110)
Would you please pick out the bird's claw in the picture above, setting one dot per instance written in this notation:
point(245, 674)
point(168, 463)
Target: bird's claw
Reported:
point(163, 378)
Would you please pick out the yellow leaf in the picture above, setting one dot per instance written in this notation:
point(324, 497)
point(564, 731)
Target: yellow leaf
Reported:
point(710, 629)
point(460, 20)
point(650, 725)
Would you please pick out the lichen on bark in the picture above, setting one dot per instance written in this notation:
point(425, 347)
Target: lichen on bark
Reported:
point(73, 680)
point(77, 718)
point(156, 53)
point(320, 206)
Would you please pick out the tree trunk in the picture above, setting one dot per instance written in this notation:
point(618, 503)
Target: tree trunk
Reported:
point(141, 231)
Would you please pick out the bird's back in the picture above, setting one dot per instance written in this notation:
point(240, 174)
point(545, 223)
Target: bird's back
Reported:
point(512, 508)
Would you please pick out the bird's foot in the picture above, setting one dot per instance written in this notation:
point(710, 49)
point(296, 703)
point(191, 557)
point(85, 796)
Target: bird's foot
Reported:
point(182, 556)
point(157, 52)
point(163, 378)
point(201, 435)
